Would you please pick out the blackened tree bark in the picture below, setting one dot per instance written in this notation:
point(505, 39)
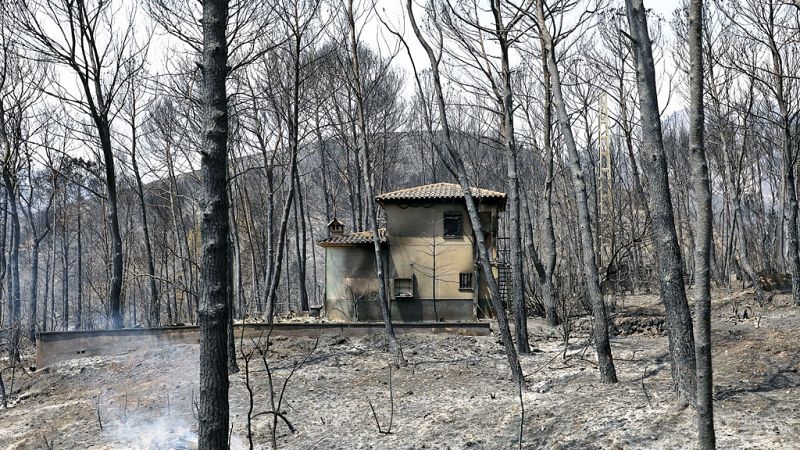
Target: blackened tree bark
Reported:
point(548, 267)
point(608, 373)
point(38, 233)
point(454, 161)
point(369, 186)
point(213, 409)
point(47, 268)
point(703, 230)
point(52, 267)
point(273, 274)
point(64, 260)
point(15, 302)
point(79, 325)
point(668, 256)
point(154, 318)
point(300, 243)
point(512, 181)
point(233, 366)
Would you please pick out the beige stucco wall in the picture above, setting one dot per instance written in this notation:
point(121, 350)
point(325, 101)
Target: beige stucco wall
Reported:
point(350, 279)
point(415, 234)
point(419, 250)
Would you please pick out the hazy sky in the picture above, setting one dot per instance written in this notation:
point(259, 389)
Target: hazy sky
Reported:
point(393, 12)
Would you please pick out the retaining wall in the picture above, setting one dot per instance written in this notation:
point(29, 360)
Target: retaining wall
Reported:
point(56, 346)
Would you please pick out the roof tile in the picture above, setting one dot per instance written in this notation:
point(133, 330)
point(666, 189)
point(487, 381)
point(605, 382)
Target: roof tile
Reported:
point(438, 191)
point(352, 239)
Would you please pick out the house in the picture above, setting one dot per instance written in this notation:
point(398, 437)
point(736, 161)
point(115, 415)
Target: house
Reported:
point(430, 257)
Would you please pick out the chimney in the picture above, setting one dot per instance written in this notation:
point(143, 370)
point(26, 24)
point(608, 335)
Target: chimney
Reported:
point(335, 228)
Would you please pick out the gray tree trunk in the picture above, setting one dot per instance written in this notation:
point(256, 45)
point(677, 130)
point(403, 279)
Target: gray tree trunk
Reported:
point(46, 295)
point(154, 318)
point(518, 306)
point(369, 186)
point(79, 325)
point(668, 256)
point(549, 238)
point(703, 230)
point(461, 175)
point(273, 276)
point(65, 265)
point(608, 373)
point(15, 302)
point(115, 295)
point(32, 319)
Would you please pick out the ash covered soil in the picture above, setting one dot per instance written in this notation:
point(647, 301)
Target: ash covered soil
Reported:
point(456, 391)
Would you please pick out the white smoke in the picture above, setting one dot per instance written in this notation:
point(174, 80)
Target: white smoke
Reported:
point(165, 432)
point(168, 432)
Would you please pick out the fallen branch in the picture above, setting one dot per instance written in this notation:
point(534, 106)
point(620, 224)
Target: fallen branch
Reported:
point(97, 409)
point(391, 407)
point(278, 414)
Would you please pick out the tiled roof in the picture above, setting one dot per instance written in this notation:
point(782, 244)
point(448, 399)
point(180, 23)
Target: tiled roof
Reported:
point(438, 191)
point(352, 239)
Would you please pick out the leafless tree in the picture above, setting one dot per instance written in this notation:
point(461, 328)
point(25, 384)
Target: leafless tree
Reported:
point(591, 277)
point(668, 254)
point(455, 164)
point(369, 185)
point(703, 228)
point(213, 311)
point(97, 41)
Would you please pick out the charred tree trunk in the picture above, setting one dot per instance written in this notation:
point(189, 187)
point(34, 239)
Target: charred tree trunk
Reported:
point(667, 249)
point(274, 275)
point(300, 243)
point(546, 275)
point(34, 290)
point(154, 318)
point(233, 366)
point(269, 269)
point(369, 186)
point(64, 268)
point(512, 178)
point(213, 312)
point(47, 267)
point(461, 175)
point(52, 281)
point(15, 302)
point(79, 256)
point(608, 373)
point(115, 294)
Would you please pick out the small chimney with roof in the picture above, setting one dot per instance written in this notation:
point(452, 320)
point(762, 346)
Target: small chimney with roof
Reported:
point(335, 228)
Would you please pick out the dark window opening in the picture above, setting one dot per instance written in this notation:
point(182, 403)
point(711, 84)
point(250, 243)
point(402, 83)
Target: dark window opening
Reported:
point(453, 225)
point(465, 281)
point(403, 288)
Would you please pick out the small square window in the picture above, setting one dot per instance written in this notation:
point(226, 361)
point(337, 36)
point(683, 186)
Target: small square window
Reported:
point(453, 225)
point(465, 281)
point(403, 288)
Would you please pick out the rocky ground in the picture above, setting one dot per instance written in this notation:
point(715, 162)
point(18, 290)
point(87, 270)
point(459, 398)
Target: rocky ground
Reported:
point(455, 392)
